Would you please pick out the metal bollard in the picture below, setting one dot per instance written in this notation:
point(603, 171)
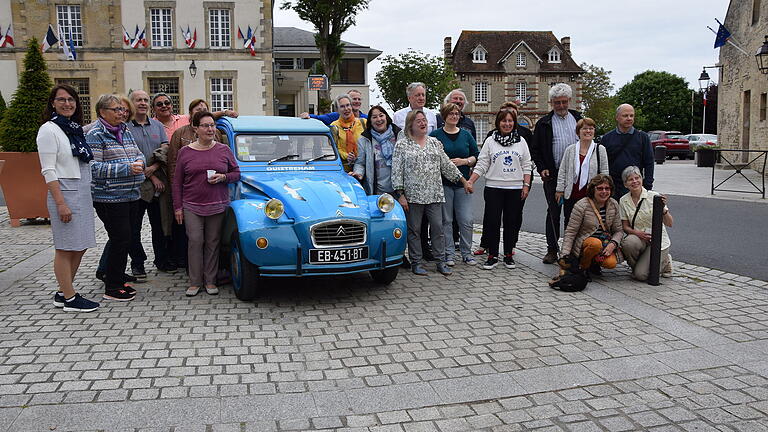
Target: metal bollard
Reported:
point(653, 271)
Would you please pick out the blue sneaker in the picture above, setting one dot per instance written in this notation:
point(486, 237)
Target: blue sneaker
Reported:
point(418, 270)
point(80, 304)
point(443, 269)
point(58, 299)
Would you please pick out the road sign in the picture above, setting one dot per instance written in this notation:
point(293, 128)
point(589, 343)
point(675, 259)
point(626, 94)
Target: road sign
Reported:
point(317, 82)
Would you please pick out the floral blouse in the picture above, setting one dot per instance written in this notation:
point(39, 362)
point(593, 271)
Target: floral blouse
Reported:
point(418, 171)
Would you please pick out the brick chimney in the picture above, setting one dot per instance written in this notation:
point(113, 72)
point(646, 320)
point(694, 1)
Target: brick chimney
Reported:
point(566, 41)
point(447, 49)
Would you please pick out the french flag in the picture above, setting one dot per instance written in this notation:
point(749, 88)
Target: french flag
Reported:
point(49, 40)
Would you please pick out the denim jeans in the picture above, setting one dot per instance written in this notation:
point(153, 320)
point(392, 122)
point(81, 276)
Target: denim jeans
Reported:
point(459, 202)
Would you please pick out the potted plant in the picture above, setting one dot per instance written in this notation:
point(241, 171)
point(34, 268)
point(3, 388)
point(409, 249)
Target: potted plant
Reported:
point(706, 155)
point(23, 186)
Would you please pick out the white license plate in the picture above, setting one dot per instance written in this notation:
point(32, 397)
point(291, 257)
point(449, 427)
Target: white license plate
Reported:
point(335, 256)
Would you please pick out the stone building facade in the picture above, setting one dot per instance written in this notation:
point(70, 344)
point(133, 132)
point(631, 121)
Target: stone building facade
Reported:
point(494, 67)
point(742, 120)
point(227, 75)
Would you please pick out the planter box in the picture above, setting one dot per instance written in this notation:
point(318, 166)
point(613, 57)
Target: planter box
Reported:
point(706, 158)
point(23, 186)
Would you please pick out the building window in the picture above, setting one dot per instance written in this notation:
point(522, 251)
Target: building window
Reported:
point(481, 92)
point(222, 94)
point(283, 63)
point(521, 91)
point(351, 71)
point(70, 22)
point(310, 63)
point(521, 60)
point(169, 86)
point(83, 89)
point(755, 11)
point(481, 126)
point(219, 27)
point(479, 55)
point(161, 24)
point(554, 55)
point(763, 103)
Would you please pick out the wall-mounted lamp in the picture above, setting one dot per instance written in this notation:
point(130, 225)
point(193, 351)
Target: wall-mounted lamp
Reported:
point(280, 78)
point(703, 80)
point(193, 69)
point(762, 57)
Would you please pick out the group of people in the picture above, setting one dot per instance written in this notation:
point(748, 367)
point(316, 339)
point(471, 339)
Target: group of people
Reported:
point(431, 161)
point(122, 166)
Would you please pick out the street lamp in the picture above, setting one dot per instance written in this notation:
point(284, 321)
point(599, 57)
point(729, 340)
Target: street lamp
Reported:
point(704, 87)
point(193, 69)
point(761, 56)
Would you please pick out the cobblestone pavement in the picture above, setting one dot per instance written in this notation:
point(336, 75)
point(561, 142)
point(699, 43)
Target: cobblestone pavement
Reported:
point(477, 351)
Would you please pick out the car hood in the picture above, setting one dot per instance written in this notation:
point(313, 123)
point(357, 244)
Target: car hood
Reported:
point(313, 195)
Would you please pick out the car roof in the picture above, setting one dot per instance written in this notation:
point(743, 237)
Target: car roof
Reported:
point(275, 124)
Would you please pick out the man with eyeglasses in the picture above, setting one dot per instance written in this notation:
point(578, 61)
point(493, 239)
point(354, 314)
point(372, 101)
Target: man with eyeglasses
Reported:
point(553, 134)
point(357, 101)
point(149, 135)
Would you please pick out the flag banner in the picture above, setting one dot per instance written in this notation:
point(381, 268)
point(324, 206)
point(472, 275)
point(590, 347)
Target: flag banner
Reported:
point(7, 40)
point(126, 37)
point(72, 51)
point(722, 35)
point(49, 40)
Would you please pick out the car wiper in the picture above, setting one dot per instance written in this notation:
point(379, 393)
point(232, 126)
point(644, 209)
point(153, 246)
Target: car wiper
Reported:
point(284, 157)
point(320, 157)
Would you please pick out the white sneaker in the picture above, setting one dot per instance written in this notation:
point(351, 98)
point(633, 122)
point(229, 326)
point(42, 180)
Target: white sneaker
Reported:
point(450, 263)
point(470, 261)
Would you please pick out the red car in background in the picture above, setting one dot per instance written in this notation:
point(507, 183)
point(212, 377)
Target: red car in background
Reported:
point(675, 142)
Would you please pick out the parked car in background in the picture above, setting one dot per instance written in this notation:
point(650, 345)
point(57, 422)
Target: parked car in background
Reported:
point(674, 141)
point(695, 141)
point(296, 213)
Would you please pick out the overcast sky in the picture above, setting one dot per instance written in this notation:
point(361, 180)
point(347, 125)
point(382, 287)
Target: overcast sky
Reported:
point(624, 37)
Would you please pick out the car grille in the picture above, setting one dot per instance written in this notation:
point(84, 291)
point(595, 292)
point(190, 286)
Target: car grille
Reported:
point(338, 233)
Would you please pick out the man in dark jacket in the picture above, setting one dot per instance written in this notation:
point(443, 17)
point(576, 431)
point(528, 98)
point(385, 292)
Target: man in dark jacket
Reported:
point(627, 146)
point(553, 133)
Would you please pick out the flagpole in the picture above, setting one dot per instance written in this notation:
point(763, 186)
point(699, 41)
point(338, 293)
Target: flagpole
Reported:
point(729, 41)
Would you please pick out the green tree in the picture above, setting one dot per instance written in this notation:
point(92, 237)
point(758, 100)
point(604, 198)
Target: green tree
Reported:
point(18, 129)
point(662, 101)
point(3, 106)
point(596, 97)
point(399, 71)
point(331, 19)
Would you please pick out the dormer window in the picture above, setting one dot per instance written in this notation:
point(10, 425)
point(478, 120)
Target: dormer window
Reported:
point(554, 55)
point(520, 60)
point(479, 54)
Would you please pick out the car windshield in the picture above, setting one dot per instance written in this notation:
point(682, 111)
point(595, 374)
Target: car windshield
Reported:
point(676, 137)
point(271, 147)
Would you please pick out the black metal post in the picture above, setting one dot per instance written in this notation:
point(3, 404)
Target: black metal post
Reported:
point(653, 271)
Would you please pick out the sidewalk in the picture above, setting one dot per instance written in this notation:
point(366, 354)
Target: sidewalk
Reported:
point(478, 351)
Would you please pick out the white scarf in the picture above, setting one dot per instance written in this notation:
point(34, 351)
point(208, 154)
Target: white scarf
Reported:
point(583, 166)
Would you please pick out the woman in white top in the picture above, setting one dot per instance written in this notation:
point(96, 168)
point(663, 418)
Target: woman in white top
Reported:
point(636, 217)
point(506, 164)
point(581, 162)
point(64, 158)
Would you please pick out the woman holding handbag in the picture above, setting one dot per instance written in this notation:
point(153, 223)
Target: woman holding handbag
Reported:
point(594, 229)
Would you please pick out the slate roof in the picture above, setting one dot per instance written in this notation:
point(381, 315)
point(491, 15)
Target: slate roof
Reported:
point(292, 39)
point(497, 43)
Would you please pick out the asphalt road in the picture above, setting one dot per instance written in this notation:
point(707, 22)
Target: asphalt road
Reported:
point(727, 235)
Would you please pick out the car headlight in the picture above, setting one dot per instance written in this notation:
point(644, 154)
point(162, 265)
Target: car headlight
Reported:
point(385, 203)
point(274, 209)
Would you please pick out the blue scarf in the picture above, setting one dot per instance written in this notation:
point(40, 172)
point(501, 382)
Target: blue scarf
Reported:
point(73, 131)
point(387, 141)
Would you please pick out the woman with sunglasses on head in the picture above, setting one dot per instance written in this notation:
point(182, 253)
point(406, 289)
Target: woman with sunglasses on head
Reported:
point(118, 171)
point(64, 158)
point(594, 229)
point(200, 199)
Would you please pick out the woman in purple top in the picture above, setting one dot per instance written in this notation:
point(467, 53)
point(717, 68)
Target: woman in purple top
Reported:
point(200, 197)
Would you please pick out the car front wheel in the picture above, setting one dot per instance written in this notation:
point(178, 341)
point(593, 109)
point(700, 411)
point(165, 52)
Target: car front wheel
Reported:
point(385, 276)
point(245, 275)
